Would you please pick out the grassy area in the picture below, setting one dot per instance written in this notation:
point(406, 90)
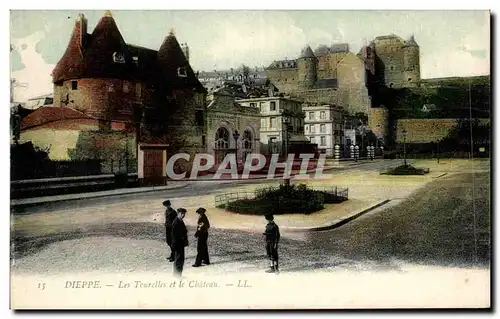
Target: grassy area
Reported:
point(446, 223)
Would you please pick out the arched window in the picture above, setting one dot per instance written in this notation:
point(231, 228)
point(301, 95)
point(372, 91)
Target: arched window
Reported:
point(222, 138)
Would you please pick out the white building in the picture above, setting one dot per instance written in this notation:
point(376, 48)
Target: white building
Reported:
point(39, 101)
point(323, 126)
point(282, 122)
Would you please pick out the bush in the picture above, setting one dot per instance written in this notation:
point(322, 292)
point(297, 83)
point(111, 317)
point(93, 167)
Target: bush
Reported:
point(406, 170)
point(286, 199)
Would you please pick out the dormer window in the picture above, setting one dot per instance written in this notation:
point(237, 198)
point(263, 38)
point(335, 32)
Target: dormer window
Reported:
point(135, 59)
point(118, 57)
point(181, 72)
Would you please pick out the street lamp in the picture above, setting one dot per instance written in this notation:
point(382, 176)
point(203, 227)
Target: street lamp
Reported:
point(236, 136)
point(286, 122)
point(404, 145)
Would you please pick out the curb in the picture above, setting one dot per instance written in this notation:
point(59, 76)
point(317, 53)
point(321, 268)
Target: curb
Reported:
point(338, 222)
point(48, 199)
point(441, 175)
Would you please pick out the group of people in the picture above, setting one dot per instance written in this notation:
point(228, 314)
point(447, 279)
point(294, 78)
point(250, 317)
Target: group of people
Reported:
point(177, 238)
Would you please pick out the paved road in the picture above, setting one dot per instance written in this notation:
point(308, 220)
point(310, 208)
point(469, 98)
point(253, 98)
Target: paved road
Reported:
point(435, 226)
point(194, 188)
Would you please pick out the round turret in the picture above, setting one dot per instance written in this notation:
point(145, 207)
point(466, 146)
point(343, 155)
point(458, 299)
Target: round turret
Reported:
point(411, 71)
point(306, 65)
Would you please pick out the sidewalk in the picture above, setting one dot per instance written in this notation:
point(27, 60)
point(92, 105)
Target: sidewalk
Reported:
point(114, 192)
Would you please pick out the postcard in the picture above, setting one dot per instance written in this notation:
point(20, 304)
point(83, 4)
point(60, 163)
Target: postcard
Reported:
point(176, 159)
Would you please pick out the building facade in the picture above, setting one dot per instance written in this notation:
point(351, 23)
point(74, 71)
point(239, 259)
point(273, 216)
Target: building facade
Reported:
point(324, 127)
point(231, 128)
point(154, 94)
point(281, 122)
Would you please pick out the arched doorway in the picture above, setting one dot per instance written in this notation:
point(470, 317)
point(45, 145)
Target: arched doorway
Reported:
point(221, 146)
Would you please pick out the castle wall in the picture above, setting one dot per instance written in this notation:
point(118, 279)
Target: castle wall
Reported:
point(286, 80)
point(412, 66)
point(390, 62)
point(378, 121)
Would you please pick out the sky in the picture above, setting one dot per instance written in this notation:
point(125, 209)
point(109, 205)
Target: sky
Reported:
point(452, 43)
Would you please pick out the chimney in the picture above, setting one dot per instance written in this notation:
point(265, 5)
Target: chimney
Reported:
point(81, 26)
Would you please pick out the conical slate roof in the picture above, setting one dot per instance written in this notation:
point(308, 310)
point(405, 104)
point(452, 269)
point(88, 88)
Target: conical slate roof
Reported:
point(171, 62)
point(71, 64)
point(307, 52)
point(107, 54)
point(100, 54)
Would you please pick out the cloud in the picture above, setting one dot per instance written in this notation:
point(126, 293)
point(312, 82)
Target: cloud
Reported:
point(36, 73)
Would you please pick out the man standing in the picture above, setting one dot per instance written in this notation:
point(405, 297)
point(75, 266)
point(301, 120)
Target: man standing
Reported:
point(170, 215)
point(179, 241)
point(202, 235)
point(272, 234)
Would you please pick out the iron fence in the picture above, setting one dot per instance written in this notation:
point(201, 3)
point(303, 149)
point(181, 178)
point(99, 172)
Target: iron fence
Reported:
point(332, 193)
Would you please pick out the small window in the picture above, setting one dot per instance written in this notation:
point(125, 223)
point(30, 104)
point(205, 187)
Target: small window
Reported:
point(322, 115)
point(311, 115)
point(323, 140)
point(322, 128)
point(203, 140)
point(253, 104)
point(273, 106)
point(272, 122)
point(182, 72)
point(118, 57)
point(74, 85)
point(313, 128)
point(392, 68)
point(391, 85)
point(409, 79)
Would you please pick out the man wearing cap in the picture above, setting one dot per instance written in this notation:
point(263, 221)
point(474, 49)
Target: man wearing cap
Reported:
point(170, 215)
point(272, 234)
point(179, 241)
point(202, 235)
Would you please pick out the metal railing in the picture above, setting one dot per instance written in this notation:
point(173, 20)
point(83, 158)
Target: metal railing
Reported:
point(223, 199)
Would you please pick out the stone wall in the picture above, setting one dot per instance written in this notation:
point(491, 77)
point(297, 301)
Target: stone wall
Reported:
point(113, 148)
point(390, 61)
point(378, 120)
point(109, 99)
point(426, 130)
point(286, 80)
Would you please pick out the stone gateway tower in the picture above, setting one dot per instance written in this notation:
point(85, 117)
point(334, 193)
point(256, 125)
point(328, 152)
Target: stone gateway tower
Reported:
point(307, 65)
point(411, 52)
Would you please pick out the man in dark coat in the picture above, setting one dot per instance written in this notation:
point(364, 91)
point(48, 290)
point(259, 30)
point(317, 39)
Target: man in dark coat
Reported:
point(202, 235)
point(170, 216)
point(179, 241)
point(272, 234)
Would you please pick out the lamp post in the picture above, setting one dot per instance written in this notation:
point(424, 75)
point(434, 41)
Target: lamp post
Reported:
point(404, 145)
point(286, 122)
point(236, 136)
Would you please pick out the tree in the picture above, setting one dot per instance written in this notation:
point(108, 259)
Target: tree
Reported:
point(246, 70)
